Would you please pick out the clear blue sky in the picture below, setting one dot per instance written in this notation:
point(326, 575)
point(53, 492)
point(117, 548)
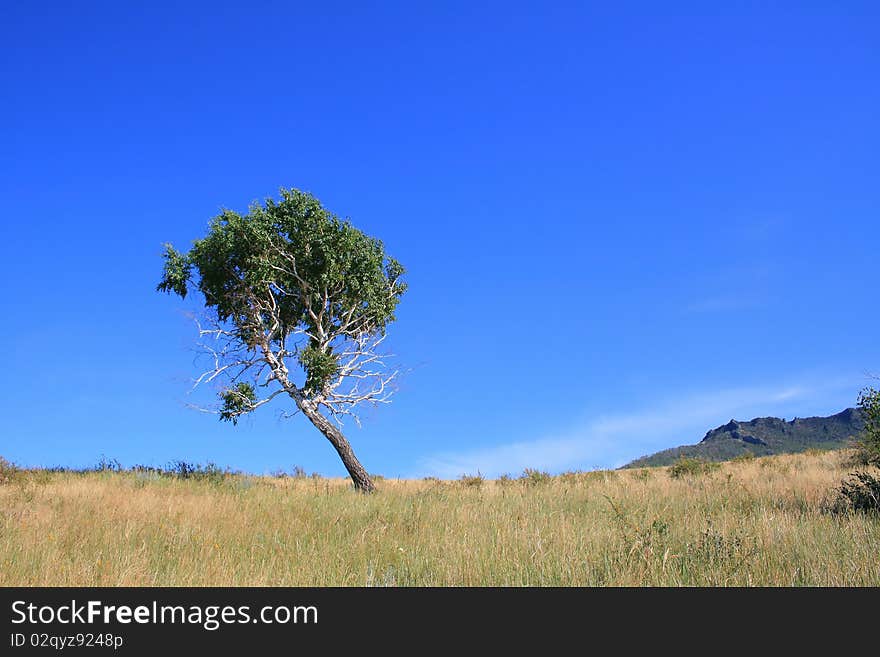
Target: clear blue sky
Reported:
point(624, 223)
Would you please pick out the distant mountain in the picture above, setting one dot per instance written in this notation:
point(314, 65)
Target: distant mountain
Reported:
point(764, 436)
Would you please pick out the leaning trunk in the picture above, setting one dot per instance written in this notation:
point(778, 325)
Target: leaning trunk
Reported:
point(359, 475)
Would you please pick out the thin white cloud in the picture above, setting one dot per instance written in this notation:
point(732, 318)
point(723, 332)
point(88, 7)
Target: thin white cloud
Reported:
point(611, 441)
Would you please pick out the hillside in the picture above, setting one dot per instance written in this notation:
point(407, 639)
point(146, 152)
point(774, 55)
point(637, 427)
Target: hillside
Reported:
point(764, 436)
point(764, 522)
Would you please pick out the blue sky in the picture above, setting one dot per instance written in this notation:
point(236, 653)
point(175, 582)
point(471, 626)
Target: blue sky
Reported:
point(624, 223)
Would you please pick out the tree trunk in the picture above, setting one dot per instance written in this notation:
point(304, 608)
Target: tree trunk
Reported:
point(359, 475)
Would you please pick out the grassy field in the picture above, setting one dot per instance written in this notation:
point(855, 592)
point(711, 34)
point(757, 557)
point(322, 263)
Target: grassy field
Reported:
point(760, 522)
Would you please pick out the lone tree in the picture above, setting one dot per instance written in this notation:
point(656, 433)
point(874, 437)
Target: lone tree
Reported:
point(298, 302)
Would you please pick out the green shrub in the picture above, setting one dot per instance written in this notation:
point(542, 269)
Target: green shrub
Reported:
point(534, 477)
point(745, 457)
point(868, 445)
point(472, 481)
point(861, 492)
point(107, 465)
point(691, 467)
point(210, 472)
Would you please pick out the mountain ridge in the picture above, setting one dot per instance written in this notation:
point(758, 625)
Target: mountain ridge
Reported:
point(764, 436)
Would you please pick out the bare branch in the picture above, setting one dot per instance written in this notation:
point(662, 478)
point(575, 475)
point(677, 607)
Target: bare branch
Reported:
point(362, 376)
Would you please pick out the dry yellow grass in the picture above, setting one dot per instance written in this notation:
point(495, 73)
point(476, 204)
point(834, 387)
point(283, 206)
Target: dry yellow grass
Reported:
point(753, 523)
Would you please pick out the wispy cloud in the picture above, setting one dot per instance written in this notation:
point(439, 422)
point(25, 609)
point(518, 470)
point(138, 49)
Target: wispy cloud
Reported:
point(611, 441)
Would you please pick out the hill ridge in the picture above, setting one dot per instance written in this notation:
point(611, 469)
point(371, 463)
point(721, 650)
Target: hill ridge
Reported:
point(765, 436)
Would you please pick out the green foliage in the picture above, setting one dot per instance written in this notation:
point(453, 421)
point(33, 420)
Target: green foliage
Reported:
point(210, 472)
point(861, 492)
point(177, 272)
point(472, 481)
point(534, 477)
point(319, 367)
point(316, 271)
point(689, 467)
point(107, 465)
point(237, 401)
point(868, 445)
point(303, 248)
